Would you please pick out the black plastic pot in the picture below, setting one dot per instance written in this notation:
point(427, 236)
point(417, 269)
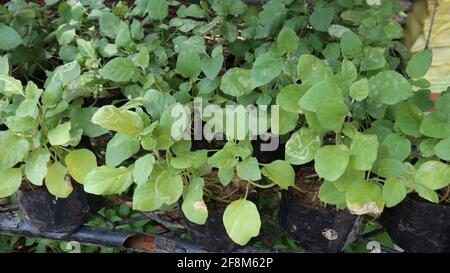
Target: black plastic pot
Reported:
point(317, 230)
point(212, 236)
point(49, 214)
point(418, 226)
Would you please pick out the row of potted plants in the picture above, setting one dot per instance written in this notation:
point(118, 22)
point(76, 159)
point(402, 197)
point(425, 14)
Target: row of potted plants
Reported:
point(101, 106)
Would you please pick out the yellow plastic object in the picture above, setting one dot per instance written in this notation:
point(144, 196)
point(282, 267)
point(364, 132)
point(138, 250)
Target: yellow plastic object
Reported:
point(418, 29)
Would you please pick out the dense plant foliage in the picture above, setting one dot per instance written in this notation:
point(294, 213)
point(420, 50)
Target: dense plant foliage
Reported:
point(76, 74)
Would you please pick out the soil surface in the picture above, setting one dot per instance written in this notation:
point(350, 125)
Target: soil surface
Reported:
point(308, 181)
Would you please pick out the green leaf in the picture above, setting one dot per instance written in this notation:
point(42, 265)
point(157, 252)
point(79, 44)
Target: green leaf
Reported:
point(359, 90)
point(108, 24)
point(284, 122)
point(193, 207)
point(287, 40)
point(119, 69)
point(280, 172)
point(265, 68)
point(373, 58)
point(389, 87)
point(248, 169)
point(10, 180)
point(434, 125)
point(60, 135)
point(331, 115)
point(120, 120)
point(105, 181)
point(364, 197)
point(81, 119)
point(123, 37)
point(419, 64)
point(10, 86)
point(145, 197)
point(394, 191)
point(364, 150)
point(330, 161)
point(80, 163)
point(120, 148)
point(4, 65)
point(302, 146)
point(142, 58)
point(169, 187)
point(189, 159)
point(442, 149)
point(396, 146)
point(324, 91)
point(409, 117)
point(188, 63)
point(426, 193)
point(321, 18)
point(351, 45)
point(289, 96)
point(65, 34)
point(143, 167)
point(329, 194)
point(226, 175)
point(349, 177)
point(312, 70)
point(36, 166)
point(10, 38)
point(426, 147)
point(57, 182)
point(211, 66)
point(242, 221)
point(13, 149)
point(389, 167)
point(433, 174)
point(236, 82)
point(158, 9)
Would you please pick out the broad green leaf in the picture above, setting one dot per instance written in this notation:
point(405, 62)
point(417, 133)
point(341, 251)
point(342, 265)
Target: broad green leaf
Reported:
point(155, 102)
point(236, 82)
point(158, 9)
point(10, 86)
point(169, 187)
point(143, 167)
point(120, 148)
point(287, 40)
point(426, 193)
point(123, 37)
point(10, 180)
point(242, 221)
point(189, 159)
point(188, 63)
point(57, 181)
point(142, 58)
point(364, 150)
point(389, 87)
point(349, 177)
point(80, 163)
point(359, 90)
point(329, 194)
point(394, 191)
point(13, 149)
point(434, 125)
point(10, 38)
point(65, 34)
point(211, 66)
point(331, 115)
point(348, 74)
point(319, 93)
point(120, 120)
point(321, 18)
point(312, 70)
point(351, 45)
point(396, 146)
point(409, 117)
point(280, 172)
point(193, 207)
point(419, 64)
point(426, 147)
point(60, 135)
point(289, 96)
point(390, 167)
point(36, 166)
point(248, 169)
point(145, 197)
point(330, 161)
point(4, 65)
point(373, 58)
point(108, 24)
point(105, 181)
point(265, 68)
point(433, 174)
point(364, 197)
point(302, 146)
point(119, 69)
point(226, 175)
point(284, 122)
point(442, 149)
point(81, 119)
